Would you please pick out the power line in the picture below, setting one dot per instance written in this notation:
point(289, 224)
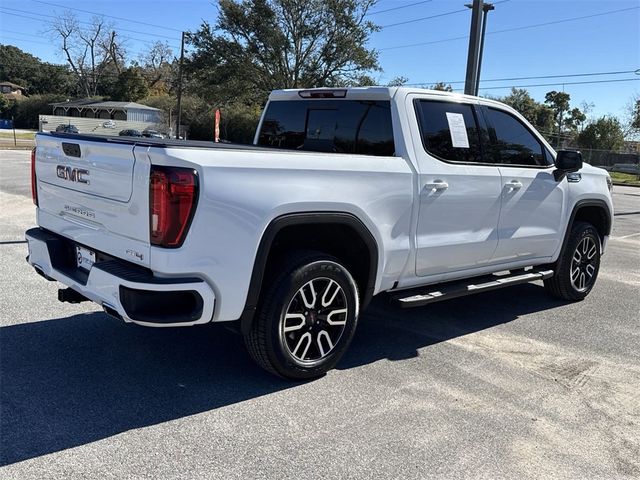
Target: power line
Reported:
point(565, 83)
point(18, 15)
point(555, 22)
point(524, 27)
point(80, 21)
point(21, 40)
point(424, 18)
point(109, 16)
point(398, 8)
point(121, 36)
point(539, 77)
point(443, 40)
point(147, 42)
point(432, 16)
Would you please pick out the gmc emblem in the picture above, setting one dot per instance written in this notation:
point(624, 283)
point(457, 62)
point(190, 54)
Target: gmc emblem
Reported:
point(77, 175)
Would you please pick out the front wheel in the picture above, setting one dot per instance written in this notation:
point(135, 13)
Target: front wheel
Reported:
point(578, 265)
point(306, 317)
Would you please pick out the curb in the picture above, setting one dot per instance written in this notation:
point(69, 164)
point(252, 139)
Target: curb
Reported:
point(620, 184)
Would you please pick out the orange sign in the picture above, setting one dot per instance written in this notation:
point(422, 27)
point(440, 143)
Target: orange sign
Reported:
point(216, 131)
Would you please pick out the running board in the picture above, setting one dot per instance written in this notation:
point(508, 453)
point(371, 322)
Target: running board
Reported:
point(461, 288)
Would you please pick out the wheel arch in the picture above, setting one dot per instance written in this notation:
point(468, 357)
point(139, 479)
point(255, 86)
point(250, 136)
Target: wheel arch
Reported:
point(593, 211)
point(285, 228)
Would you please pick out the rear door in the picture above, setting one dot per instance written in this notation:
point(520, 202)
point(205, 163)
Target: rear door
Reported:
point(95, 192)
point(459, 194)
point(532, 200)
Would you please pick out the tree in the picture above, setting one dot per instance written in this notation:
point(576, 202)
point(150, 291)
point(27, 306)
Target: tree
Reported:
point(631, 119)
point(538, 114)
point(156, 66)
point(397, 81)
point(238, 123)
point(35, 75)
point(575, 119)
point(130, 85)
point(635, 122)
point(28, 109)
point(604, 134)
point(4, 104)
point(88, 50)
point(260, 45)
point(559, 103)
point(444, 87)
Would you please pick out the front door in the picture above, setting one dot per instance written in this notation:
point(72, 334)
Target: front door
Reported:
point(532, 199)
point(459, 195)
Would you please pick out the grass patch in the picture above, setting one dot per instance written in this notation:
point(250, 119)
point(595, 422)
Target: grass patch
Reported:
point(626, 178)
point(19, 136)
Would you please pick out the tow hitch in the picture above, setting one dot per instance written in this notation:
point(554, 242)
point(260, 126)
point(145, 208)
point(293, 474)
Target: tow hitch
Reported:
point(71, 296)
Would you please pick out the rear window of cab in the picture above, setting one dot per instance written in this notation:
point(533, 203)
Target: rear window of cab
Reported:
point(339, 126)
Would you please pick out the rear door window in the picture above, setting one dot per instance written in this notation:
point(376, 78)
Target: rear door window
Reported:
point(450, 130)
point(511, 142)
point(340, 126)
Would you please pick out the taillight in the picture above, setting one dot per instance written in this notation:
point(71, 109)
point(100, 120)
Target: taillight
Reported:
point(34, 185)
point(173, 195)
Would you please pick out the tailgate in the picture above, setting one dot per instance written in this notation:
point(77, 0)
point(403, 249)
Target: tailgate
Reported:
point(95, 192)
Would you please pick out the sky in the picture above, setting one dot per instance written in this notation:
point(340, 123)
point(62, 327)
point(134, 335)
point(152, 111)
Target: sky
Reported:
point(425, 41)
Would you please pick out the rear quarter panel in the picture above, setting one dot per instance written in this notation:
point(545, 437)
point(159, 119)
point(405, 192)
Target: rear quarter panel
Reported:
point(243, 191)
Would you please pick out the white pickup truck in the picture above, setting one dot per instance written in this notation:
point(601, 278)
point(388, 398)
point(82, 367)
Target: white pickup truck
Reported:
point(347, 193)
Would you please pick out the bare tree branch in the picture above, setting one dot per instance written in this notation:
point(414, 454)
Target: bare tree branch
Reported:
point(89, 50)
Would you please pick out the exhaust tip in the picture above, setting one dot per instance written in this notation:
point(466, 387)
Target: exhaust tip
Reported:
point(40, 272)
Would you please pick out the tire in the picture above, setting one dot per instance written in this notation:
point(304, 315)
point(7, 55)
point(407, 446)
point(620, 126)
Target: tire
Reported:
point(306, 317)
point(577, 268)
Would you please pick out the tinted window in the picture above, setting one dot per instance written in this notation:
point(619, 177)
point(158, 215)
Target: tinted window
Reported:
point(511, 142)
point(449, 130)
point(342, 126)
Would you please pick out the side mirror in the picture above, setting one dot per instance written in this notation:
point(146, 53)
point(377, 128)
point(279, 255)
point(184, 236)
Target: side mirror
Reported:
point(568, 161)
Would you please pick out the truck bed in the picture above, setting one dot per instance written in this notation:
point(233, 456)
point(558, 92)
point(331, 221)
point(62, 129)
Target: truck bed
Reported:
point(157, 142)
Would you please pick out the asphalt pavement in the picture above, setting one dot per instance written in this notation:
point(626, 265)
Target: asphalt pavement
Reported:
point(507, 384)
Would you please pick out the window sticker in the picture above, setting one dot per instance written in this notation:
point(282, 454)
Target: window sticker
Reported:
point(458, 130)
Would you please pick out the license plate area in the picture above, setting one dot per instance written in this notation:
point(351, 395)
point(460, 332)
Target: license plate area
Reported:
point(85, 258)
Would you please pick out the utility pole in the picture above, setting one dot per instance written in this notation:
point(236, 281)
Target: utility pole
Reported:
point(474, 47)
point(179, 106)
point(560, 115)
point(486, 8)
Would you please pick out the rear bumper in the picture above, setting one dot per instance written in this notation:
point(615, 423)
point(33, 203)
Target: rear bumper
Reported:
point(133, 293)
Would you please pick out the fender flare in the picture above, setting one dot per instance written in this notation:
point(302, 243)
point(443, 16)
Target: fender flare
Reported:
point(305, 218)
point(586, 203)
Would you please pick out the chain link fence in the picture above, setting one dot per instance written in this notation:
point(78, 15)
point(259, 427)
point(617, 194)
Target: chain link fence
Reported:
point(621, 162)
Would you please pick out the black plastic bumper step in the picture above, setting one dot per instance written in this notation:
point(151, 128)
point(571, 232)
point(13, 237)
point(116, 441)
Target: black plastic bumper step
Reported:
point(460, 288)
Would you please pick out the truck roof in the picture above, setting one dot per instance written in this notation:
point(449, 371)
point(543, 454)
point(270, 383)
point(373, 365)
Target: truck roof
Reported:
point(359, 93)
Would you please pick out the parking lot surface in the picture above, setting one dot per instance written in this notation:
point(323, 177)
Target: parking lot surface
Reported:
point(508, 384)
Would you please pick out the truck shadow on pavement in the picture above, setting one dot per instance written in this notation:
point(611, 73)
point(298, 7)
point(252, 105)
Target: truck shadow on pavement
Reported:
point(388, 331)
point(70, 381)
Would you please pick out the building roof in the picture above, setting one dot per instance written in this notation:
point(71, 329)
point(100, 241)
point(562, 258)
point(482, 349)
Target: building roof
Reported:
point(91, 103)
point(12, 85)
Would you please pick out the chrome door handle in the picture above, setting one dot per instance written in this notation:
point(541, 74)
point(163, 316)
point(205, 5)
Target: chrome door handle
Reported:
point(514, 185)
point(436, 185)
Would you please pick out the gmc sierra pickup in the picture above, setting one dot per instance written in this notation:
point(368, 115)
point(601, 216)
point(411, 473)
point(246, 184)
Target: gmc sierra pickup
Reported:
point(345, 194)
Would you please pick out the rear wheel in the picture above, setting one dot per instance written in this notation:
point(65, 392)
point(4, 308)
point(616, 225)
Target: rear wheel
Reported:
point(578, 265)
point(306, 318)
